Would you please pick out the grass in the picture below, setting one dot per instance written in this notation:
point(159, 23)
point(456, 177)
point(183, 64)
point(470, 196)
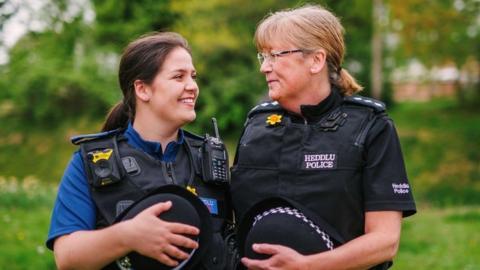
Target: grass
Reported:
point(434, 238)
point(38, 152)
point(443, 239)
point(25, 214)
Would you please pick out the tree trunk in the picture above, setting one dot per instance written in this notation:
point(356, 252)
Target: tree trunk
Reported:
point(376, 72)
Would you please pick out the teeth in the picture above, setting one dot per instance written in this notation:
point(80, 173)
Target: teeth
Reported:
point(187, 100)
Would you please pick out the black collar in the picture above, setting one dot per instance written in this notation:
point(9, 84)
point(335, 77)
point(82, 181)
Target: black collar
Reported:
point(313, 113)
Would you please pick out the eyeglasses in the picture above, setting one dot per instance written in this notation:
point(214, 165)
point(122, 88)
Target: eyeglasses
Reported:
point(272, 56)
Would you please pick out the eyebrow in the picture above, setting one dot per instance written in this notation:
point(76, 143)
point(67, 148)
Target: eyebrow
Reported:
point(182, 70)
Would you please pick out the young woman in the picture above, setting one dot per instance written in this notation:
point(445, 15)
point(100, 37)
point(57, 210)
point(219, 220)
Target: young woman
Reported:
point(142, 147)
point(317, 144)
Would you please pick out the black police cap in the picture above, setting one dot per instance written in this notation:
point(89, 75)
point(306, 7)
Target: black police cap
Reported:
point(187, 209)
point(282, 221)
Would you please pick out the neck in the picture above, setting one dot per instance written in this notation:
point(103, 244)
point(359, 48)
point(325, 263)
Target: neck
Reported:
point(155, 130)
point(317, 91)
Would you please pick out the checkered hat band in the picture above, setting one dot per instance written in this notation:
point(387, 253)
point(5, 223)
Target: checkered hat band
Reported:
point(294, 212)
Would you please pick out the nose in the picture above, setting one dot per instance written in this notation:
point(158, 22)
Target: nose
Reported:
point(266, 66)
point(192, 86)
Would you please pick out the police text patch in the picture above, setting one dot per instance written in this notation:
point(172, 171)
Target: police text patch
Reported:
point(401, 188)
point(319, 161)
point(211, 204)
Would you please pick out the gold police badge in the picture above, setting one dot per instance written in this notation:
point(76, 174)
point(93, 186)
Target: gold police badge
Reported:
point(192, 190)
point(274, 119)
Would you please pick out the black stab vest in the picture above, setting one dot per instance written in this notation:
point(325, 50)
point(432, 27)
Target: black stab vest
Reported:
point(318, 165)
point(139, 174)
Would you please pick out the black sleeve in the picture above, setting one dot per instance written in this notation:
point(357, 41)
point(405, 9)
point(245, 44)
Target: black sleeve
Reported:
point(385, 183)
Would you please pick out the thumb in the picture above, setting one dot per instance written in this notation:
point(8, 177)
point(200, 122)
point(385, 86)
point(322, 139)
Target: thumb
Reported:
point(265, 248)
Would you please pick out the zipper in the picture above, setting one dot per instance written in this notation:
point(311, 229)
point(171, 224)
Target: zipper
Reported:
point(360, 140)
point(170, 172)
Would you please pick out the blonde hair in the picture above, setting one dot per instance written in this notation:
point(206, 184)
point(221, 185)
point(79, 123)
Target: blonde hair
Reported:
point(310, 27)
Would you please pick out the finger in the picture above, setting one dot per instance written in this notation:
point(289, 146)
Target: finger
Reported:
point(175, 252)
point(163, 258)
point(266, 248)
point(182, 241)
point(180, 228)
point(158, 208)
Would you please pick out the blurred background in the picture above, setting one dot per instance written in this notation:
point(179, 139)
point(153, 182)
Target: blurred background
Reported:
point(58, 65)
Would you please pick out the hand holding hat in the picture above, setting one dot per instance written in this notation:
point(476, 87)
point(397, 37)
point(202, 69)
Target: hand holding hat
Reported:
point(280, 256)
point(170, 228)
point(279, 231)
point(158, 239)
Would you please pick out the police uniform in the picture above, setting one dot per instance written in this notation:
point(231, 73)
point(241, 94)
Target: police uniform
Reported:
point(339, 159)
point(112, 170)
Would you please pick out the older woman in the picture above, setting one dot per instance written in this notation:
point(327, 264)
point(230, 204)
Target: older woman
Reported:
point(319, 145)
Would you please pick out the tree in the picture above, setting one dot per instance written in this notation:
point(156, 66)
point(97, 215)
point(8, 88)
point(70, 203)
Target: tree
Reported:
point(377, 48)
point(7, 10)
point(74, 59)
point(356, 17)
point(437, 32)
point(119, 22)
point(71, 63)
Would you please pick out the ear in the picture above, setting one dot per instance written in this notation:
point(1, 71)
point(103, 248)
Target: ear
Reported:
point(142, 90)
point(319, 61)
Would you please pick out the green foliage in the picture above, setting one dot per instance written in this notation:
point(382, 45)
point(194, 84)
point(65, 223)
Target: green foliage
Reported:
point(437, 31)
point(68, 71)
point(55, 84)
point(440, 145)
point(72, 63)
point(119, 22)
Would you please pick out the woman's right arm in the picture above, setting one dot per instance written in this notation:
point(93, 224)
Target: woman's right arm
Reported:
point(145, 234)
point(77, 245)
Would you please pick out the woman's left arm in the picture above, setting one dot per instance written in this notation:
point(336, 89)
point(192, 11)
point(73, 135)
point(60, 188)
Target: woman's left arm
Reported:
point(378, 244)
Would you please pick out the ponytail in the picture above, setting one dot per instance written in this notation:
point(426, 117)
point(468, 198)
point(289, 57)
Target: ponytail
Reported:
point(118, 117)
point(346, 83)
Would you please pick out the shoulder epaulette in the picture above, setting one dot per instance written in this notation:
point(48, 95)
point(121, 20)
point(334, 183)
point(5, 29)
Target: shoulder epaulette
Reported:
point(90, 137)
point(191, 135)
point(377, 105)
point(193, 139)
point(265, 107)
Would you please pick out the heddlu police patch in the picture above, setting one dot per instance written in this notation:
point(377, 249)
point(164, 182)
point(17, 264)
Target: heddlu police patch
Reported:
point(211, 204)
point(319, 161)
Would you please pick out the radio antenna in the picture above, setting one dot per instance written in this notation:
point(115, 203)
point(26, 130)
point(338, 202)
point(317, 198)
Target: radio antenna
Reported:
point(215, 127)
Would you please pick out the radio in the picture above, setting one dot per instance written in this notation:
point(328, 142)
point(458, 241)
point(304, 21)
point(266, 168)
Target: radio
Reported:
point(215, 159)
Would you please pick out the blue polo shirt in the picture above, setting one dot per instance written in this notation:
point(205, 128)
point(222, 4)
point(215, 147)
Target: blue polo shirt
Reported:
point(74, 209)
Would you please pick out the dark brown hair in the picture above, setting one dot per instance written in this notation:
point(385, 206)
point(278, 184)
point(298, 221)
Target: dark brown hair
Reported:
point(142, 59)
